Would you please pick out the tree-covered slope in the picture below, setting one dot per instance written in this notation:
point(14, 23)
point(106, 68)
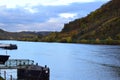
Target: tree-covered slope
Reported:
point(102, 24)
point(4, 35)
point(25, 35)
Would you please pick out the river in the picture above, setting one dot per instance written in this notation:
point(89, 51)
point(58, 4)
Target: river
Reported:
point(71, 61)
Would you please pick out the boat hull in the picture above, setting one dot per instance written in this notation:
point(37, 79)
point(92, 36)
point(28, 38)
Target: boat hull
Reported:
point(3, 58)
point(8, 46)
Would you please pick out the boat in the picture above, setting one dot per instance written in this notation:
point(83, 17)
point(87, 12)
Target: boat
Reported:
point(3, 58)
point(26, 69)
point(8, 46)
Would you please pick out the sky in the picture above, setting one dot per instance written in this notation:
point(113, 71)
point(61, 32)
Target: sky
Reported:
point(43, 15)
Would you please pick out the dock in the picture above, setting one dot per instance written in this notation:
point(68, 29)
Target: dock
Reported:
point(27, 69)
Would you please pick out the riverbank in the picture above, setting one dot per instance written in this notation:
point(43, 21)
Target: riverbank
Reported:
point(83, 41)
point(107, 42)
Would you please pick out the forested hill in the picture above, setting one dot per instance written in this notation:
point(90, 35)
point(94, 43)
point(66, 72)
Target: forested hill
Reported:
point(100, 25)
point(25, 35)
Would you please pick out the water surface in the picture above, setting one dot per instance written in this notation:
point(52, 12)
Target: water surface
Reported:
point(71, 61)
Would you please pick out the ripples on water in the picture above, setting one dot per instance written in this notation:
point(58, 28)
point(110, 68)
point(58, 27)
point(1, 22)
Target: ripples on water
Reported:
point(72, 61)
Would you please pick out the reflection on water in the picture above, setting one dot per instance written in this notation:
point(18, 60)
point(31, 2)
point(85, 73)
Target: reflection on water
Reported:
point(72, 61)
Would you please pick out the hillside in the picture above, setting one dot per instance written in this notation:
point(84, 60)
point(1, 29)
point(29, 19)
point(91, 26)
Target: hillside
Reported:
point(25, 35)
point(100, 25)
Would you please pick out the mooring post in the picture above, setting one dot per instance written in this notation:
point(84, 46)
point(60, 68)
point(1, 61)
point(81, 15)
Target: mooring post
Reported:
point(10, 77)
point(5, 75)
point(45, 66)
point(0, 72)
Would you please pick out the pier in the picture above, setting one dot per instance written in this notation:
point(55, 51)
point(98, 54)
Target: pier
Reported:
point(27, 69)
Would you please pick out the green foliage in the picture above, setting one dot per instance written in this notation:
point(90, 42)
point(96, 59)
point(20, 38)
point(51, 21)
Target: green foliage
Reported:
point(69, 39)
point(118, 36)
point(1, 78)
point(97, 41)
point(83, 41)
point(109, 40)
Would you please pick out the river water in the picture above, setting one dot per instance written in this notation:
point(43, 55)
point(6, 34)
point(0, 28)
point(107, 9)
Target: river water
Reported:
point(71, 61)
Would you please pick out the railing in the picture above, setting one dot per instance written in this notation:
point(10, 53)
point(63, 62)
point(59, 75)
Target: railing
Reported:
point(16, 63)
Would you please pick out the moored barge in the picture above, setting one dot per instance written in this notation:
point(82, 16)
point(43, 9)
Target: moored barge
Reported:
point(26, 69)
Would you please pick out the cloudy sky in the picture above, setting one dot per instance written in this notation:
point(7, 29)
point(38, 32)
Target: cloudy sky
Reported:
point(43, 15)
